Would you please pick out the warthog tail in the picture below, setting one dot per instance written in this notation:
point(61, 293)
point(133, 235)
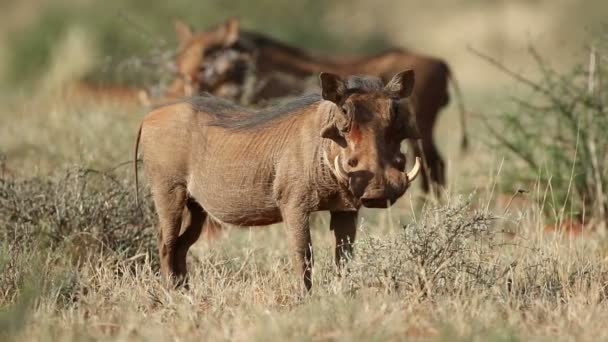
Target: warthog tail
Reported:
point(135, 166)
point(463, 125)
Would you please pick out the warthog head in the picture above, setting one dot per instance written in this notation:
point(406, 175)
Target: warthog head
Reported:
point(369, 122)
point(194, 47)
point(223, 72)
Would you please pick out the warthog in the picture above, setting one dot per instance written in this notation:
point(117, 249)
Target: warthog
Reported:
point(221, 66)
point(190, 52)
point(210, 158)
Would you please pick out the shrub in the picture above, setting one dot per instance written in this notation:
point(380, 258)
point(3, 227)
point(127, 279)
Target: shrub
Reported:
point(452, 251)
point(557, 137)
point(83, 211)
point(447, 246)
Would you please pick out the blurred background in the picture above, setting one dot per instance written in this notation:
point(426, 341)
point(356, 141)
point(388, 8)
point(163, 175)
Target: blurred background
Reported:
point(45, 42)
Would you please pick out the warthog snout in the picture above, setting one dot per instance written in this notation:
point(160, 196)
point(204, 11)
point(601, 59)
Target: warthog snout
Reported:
point(378, 192)
point(395, 185)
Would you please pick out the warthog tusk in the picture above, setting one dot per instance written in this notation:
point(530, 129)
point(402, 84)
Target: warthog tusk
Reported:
point(414, 171)
point(340, 173)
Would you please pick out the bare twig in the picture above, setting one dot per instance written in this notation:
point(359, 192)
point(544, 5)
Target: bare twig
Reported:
point(509, 72)
point(596, 171)
point(142, 30)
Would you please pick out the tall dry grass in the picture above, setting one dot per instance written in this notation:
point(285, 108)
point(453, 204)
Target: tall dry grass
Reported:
point(448, 274)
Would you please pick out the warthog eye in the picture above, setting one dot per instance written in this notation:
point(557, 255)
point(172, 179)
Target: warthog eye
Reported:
point(399, 162)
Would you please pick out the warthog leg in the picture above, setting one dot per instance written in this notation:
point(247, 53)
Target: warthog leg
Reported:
point(344, 225)
point(193, 218)
point(436, 165)
point(298, 229)
point(433, 166)
point(175, 211)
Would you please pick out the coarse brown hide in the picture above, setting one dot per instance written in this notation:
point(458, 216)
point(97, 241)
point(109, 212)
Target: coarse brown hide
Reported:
point(208, 158)
point(279, 70)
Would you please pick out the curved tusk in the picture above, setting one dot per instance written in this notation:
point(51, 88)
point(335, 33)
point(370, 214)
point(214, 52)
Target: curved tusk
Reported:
point(414, 171)
point(340, 172)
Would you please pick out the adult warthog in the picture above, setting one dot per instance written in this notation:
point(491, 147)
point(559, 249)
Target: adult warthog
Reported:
point(338, 151)
point(240, 64)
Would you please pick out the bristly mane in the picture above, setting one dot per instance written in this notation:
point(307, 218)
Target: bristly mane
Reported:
point(363, 83)
point(231, 116)
point(251, 41)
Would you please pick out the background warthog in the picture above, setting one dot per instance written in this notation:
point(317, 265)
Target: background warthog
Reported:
point(222, 60)
point(208, 157)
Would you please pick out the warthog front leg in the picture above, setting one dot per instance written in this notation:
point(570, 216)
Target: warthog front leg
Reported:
point(300, 243)
point(344, 225)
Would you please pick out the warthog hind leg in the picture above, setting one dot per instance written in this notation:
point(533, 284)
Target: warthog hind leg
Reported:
point(436, 165)
point(433, 168)
point(170, 202)
point(193, 218)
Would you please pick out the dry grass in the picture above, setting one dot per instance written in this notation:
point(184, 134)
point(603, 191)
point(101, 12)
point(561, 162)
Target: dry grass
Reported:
point(448, 274)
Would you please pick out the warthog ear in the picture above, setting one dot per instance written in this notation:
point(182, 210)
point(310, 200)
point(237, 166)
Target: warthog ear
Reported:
point(183, 31)
point(338, 122)
point(401, 85)
point(228, 33)
point(332, 87)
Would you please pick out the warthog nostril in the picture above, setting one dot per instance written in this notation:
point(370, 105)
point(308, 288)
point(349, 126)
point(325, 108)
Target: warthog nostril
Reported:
point(373, 194)
point(352, 162)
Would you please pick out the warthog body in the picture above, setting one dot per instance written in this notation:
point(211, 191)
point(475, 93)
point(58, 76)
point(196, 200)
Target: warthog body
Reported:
point(223, 66)
point(210, 158)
